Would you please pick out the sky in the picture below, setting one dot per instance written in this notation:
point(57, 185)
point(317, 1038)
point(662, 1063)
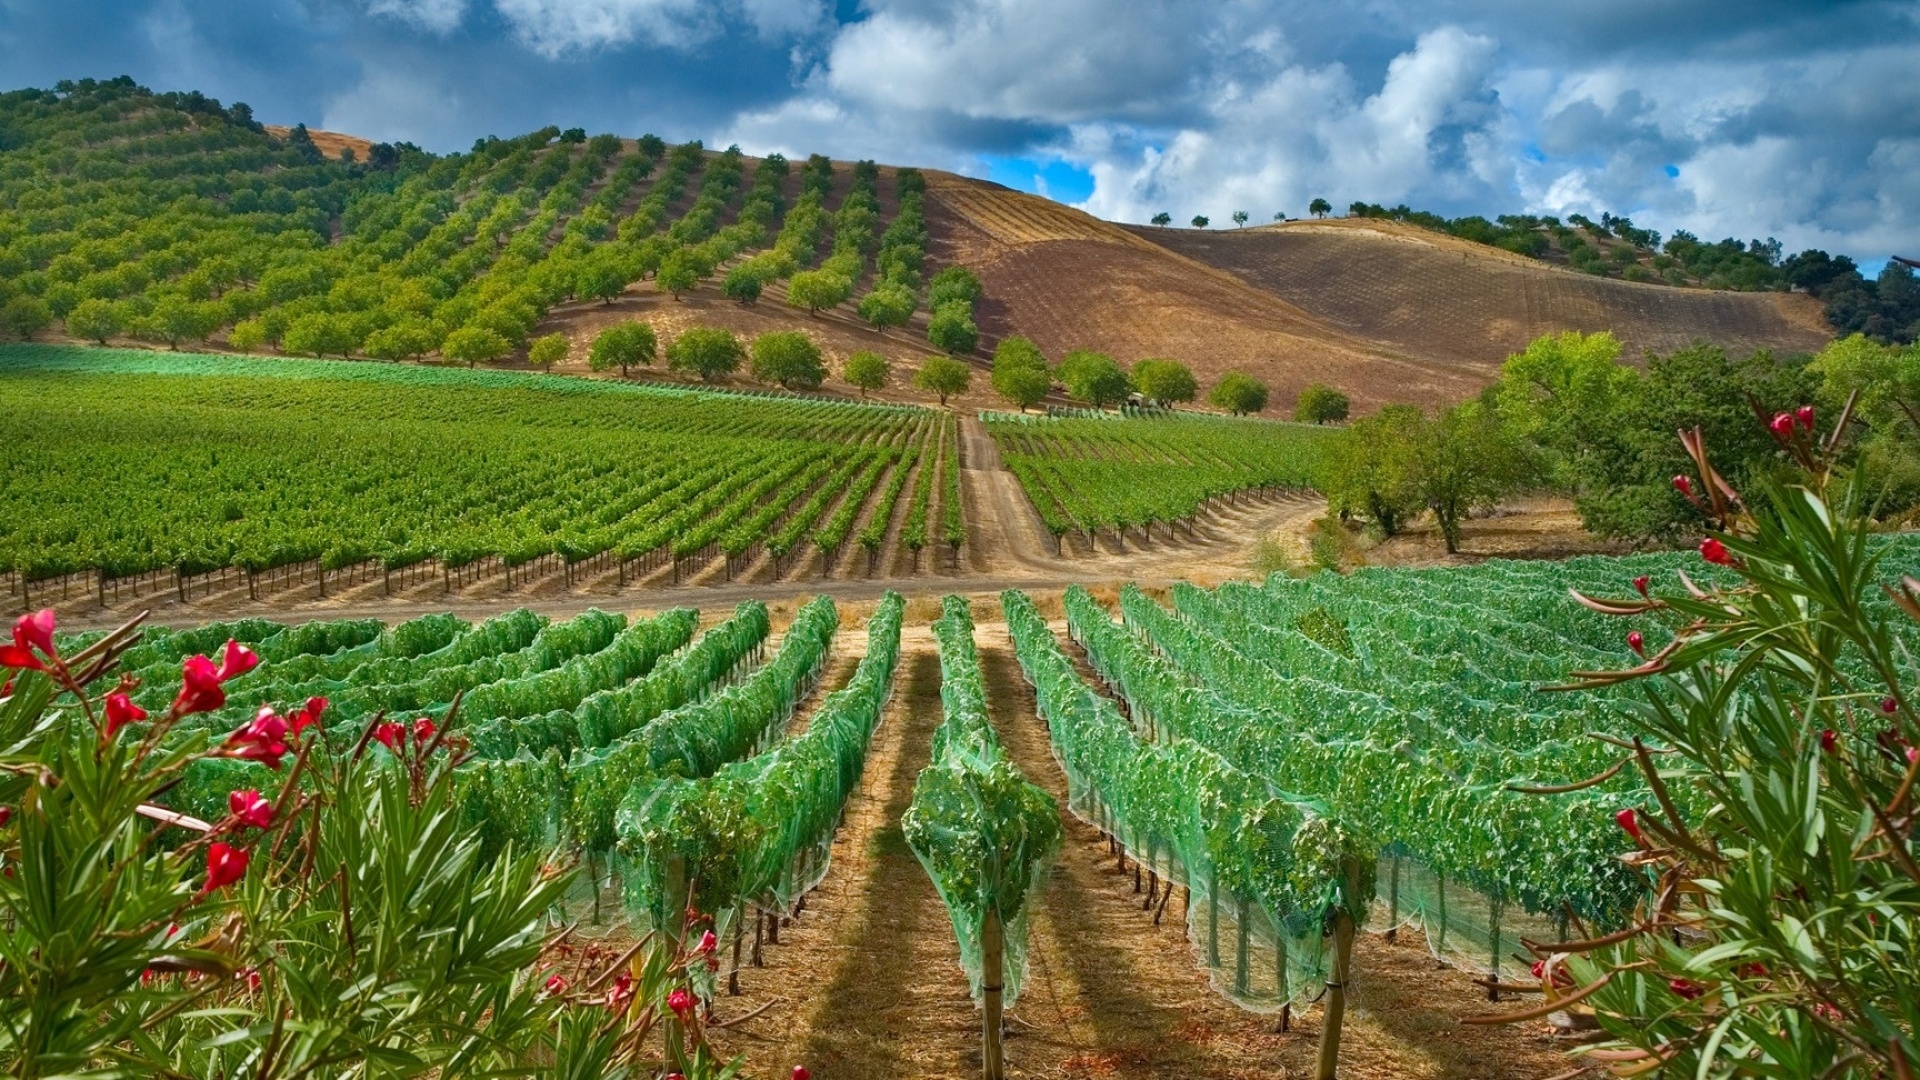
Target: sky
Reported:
point(1743, 118)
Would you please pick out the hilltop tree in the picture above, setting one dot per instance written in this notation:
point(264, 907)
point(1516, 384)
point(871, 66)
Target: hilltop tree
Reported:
point(95, 320)
point(1240, 218)
point(1320, 404)
point(944, 376)
point(599, 277)
point(887, 305)
point(1168, 382)
point(1020, 372)
point(1239, 394)
point(471, 345)
point(622, 346)
point(1319, 208)
point(1200, 221)
point(817, 290)
point(707, 352)
point(1279, 215)
point(954, 283)
point(952, 328)
point(867, 370)
point(547, 351)
point(680, 271)
point(1093, 378)
point(26, 316)
point(1163, 219)
point(790, 358)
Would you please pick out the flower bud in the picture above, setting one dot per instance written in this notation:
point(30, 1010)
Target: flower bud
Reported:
point(1640, 584)
point(1804, 414)
point(1637, 643)
point(1630, 821)
point(1715, 552)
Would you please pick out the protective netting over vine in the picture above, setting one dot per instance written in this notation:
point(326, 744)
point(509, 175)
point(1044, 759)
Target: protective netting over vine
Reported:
point(984, 834)
point(758, 831)
point(1265, 870)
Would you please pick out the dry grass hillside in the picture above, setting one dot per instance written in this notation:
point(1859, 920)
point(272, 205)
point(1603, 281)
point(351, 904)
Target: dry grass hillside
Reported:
point(1450, 300)
point(329, 143)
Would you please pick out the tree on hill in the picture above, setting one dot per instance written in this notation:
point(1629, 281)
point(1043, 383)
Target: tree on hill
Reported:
point(953, 283)
point(817, 290)
point(599, 277)
point(1320, 404)
point(1467, 459)
point(1094, 378)
point(622, 346)
point(705, 351)
point(742, 285)
point(1238, 393)
point(1020, 372)
point(1279, 215)
point(96, 320)
point(952, 328)
point(1240, 218)
point(1372, 468)
point(403, 340)
point(547, 351)
point(944, 376)
point(867, 370)
point(790, 358)
point(1319, 208)
point(888, 305)
point(249, 334)
point(1167, 382)
point(472, 345)
point(679, 271)
point(25, 316)
point(1163, 219)
point(1200, 221)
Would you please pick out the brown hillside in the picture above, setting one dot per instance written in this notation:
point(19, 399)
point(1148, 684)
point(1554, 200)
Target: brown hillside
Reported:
point(1069, 280)
point(329, 143)
point(1450, 300)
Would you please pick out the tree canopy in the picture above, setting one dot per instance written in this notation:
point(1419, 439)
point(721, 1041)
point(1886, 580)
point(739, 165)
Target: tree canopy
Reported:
point(1238, 393)
point(790, 358)
point(1165, 382)
point(944, 376)
point(622, 345)
point(1020, 374)
point(708, 352)
point(952, 328)
point(1094, 378)
point(867, 370)
point(1320, 404)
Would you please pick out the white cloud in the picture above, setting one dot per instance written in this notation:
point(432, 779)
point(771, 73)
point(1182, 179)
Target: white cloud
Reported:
point(391, 104)
point(438, 16)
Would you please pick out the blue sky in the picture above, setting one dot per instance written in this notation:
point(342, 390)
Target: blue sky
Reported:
point(1748, 118)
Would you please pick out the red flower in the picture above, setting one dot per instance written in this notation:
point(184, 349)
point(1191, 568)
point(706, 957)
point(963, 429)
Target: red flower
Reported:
point(264, 739)
point(1782, 426)
point(1539, 969)
point(1804, 414)
point(1715, 552)
point(556, 984)
point(681, 1002)
point(1889, 706)
point(1827, 1012)
point(250, 808)
point(620, 991)
point(1640, 584)
point(226, 864)
point(800, 1073)
point(251, 976)
point(308, 714)
point(237, 662)
point(121, 711)
point(1637, 643)
point(707, 943)
point(1829, 740)
point(1754, 970)
point(6, 815)
point(1630, 821)
point(423, 730)
point(199, 688)
point(390, 734)
point(1685, 988)
point(31, 632)
point(1683, 485)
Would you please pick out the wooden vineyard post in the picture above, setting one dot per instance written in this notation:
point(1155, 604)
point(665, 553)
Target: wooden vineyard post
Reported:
point(1336, 997)
point(1393, 900)
point(993, 985)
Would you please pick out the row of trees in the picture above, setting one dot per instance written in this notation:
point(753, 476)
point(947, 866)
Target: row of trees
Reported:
point(1022, 376)
point(1569, 417)
point(1318, 208)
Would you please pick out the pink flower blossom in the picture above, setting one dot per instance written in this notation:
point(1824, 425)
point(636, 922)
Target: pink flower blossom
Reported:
point(120, 711)
point(557, 985)
point(1804, 414)
point(30, 633)
point(1685, 988)
point(681, 1002)
point(263, 739)
point(1782, 426)
point(250, 808)
point(226, 864)
point(308, 715)
point(1637, 643)
point(1715, 552)
point(390, 734)
point(423, 730)
point(707, 943)
point(200, 689)
point(1630, 821)
point(1640, 584)
point(1683, 485)
point(1829, 741)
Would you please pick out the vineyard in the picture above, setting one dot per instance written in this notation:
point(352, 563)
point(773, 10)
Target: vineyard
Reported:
point(1085, 475)
point(377, 474)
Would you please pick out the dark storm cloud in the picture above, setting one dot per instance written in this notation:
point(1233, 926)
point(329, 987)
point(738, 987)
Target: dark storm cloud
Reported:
point(1726, 117)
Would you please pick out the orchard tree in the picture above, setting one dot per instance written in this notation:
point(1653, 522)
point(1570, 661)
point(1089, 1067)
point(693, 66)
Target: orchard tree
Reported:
point(1163, 219)
point(944, 376)
point(952, 328)
point(708, 352)
point(1167, 382)
point(1373, 467)
point(790, 358)
point(679, 271)
point(1465, 460)
point(817, 290)
point(1319, 208)
point(1020, 372)
point(1321, 404)
point(403, 340)
point(954, 283)
point(867, 370)
point(26, 316)
point(248, 335)
point(95, 320)
point(1200, 221)
point(622, 346)
point(472, 345)
point(1238, 393)
point(599, 277)
point(1240, 218)
point(547, 351)
point(1094, 378)
point(742, 285)
point(320, 333)
point(887, 305)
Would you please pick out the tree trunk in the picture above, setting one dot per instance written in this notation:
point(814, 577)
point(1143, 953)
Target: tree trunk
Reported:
point(1336, 997)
